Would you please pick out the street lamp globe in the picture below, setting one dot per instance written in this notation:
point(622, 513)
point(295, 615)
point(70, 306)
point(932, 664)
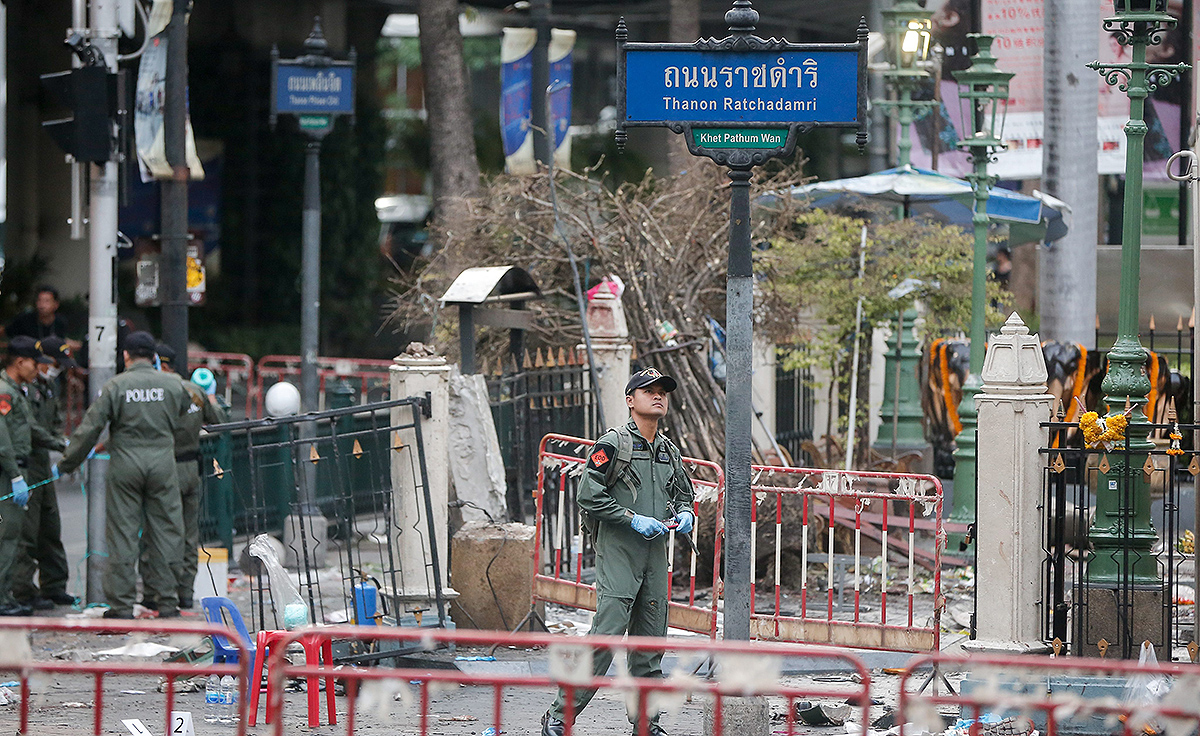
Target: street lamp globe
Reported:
point(983, 93)
point(908, 27)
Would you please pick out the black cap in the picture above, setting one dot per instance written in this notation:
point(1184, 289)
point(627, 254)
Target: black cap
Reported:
point(140, 341)
point(58, 349)
point(647, 376)
point(166, 353)
point(26, 347)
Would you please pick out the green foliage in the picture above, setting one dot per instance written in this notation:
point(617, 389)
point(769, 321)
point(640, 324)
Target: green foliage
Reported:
point(811, 287)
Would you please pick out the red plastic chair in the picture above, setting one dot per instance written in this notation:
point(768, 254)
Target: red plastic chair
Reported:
point(315, 649)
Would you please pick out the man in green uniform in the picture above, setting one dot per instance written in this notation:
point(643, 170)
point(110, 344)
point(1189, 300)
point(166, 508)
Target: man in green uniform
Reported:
point(634, 480)
point(20, 367)
point(142, 409)
point(41, 544)
point(202, 409)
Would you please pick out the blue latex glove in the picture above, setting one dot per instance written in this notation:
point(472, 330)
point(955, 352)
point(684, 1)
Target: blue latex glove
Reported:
point(684, 521)
point(54, 472)
point(647, 527)
point(20, 491)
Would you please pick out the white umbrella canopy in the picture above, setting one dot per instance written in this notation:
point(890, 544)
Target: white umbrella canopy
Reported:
point(946, 199)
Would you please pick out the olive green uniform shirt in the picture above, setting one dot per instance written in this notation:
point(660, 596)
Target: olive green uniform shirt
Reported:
point(143, 408)
point(23, 427)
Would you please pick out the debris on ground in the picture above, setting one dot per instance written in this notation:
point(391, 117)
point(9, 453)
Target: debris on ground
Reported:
point(139, 649)
point(8, 697)
point(822, 714)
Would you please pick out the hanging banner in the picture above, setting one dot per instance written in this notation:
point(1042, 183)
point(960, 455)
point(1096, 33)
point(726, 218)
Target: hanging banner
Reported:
point(562, 54)
point(1019, 48)
point(516, 96)
point(148, 104)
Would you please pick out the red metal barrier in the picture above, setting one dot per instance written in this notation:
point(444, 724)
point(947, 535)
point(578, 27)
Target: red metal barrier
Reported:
point(234, 372)
point(1051, 694)
point(18, 659)
point(826, 499)
point(567, 460)
point(371, 375)
point(741, 669)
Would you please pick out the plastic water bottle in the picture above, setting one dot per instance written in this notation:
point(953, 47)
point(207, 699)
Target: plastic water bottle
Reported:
point(212, 699)
point(228, 699)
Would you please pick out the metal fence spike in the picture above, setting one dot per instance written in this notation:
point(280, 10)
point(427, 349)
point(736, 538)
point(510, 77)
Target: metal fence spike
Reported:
point(528, 363)
point(1194, 466)
point(1152, 323)
point(219, 472)
point(538, 360)
point(1105, 466)
point(1179, 324)
point(313, 455)
point(1102, 645)
point(1058, 465)
point(1149, 467)
point(397, 444)
point(357, 452)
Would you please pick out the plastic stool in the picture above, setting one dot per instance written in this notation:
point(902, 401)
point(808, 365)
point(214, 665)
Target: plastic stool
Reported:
point(315, 648)
point(214, 607)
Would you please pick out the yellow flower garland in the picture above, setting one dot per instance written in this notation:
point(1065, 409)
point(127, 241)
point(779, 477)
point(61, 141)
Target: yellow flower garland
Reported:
point(1098, 431)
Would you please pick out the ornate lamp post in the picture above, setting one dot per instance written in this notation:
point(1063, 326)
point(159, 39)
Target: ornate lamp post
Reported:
point(984, 94)
point(907, 27)
point(1122, 534)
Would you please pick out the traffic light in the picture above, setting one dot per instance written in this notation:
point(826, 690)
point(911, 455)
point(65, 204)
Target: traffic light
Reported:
point(90, 93)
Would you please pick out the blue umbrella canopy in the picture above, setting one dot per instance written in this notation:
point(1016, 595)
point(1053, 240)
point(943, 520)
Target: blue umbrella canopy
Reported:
point(946, 199)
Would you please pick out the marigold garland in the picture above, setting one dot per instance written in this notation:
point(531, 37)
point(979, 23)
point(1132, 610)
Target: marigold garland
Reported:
point(1176, 438)
point(1103, 431)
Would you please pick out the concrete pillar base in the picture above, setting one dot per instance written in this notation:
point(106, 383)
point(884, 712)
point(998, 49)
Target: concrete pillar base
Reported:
point(315, 532)
point(750, 716)
point(981, 646)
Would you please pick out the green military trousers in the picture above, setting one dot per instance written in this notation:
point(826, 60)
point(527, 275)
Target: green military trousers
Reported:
point(143, 495)
point(632, 588)
point(41, 545)
point(188, 475)
point(12, 520)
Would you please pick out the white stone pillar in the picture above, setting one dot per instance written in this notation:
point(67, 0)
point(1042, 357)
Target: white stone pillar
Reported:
point(416, 377)
point(762, 431)
point(1008, 577)
point(610, 347)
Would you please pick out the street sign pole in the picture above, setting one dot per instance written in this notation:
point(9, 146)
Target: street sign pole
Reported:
point(741, 101)
point(315, 88)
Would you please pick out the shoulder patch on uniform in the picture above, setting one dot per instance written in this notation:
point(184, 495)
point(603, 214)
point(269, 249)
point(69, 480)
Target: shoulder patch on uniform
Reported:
point(5, 404)
point(602, 455)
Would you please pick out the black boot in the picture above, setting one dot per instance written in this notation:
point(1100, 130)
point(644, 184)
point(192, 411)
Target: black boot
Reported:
point(551, 726)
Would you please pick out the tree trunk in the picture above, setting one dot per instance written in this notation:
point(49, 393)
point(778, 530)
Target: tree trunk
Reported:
point(684, 28)
point(454, 167)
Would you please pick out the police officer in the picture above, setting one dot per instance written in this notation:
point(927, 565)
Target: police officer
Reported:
point(16, 442)
point(634, 480)
point(142, 409)
point(202, 409)
point(41, 543)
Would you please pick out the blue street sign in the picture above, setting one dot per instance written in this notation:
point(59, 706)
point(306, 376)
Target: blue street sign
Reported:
point(784, 86)
point(314, 89)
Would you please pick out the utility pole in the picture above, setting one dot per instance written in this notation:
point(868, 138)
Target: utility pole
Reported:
point(102, 305)
point(175, 191)
point(1067, 271)
point(543, 148)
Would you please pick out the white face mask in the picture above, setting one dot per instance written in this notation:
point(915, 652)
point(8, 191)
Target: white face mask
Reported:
point(53, 372)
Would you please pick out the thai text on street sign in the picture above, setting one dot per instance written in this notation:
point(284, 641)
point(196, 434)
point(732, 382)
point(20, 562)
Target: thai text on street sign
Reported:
point(309, 89)
point(742, 100)
point(752, 86)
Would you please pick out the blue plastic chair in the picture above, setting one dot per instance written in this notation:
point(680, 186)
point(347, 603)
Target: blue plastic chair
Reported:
point(215, 608)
